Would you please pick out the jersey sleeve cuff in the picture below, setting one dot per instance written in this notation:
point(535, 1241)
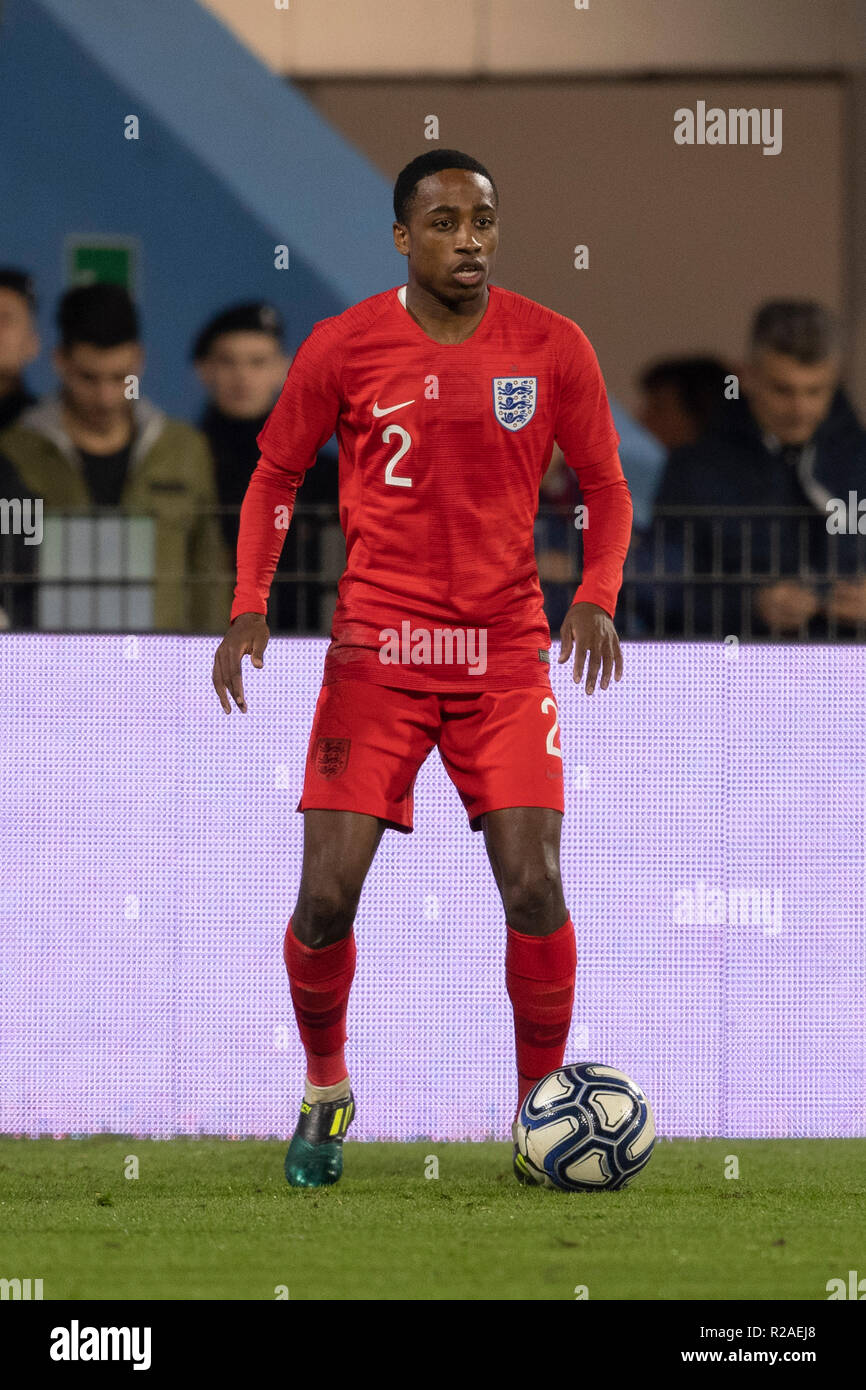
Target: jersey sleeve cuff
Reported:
point(587, 594)
point(242, 605)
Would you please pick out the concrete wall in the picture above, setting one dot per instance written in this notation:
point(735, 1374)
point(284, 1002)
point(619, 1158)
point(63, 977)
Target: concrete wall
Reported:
point(455, 38)
point(855, 221)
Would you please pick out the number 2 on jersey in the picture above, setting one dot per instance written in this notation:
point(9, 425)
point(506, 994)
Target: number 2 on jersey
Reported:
point(390, 476)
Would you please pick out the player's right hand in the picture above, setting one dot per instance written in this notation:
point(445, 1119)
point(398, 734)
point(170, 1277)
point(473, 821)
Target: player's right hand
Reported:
point(247, 636)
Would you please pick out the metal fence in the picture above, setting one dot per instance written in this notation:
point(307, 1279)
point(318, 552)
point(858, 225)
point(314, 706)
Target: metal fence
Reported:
point(705, 573)
point(697, 573)
point(98, 569)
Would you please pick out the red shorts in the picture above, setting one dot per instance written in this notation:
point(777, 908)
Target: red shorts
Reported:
point(499, 747)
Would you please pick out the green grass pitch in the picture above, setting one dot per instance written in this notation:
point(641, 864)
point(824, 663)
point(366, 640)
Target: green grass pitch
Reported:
point(215, 1219)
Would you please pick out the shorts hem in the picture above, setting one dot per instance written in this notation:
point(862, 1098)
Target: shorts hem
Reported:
point(497, 805)
point(392, 822)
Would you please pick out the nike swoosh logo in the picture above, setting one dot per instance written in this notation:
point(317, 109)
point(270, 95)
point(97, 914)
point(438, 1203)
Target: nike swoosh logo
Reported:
point(389, 408)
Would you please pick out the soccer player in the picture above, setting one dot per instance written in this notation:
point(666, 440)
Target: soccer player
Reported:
point(447, 394)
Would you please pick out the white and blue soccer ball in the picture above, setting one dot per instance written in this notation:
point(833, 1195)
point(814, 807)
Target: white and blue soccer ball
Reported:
point(585, 1128)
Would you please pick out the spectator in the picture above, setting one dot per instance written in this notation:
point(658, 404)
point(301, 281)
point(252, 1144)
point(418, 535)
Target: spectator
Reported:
point(240, 360)
point(90, 445)
point(793, 440)
point(682, 398)
point(19, 342)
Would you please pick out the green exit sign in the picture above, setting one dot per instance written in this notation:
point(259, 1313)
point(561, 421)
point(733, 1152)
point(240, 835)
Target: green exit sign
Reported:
point(94, 260)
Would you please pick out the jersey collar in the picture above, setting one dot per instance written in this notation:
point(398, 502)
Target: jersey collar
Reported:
point(481, 330)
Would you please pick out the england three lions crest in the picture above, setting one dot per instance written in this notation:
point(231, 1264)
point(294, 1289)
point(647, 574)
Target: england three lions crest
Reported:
point(514, 400)
point(332, 755)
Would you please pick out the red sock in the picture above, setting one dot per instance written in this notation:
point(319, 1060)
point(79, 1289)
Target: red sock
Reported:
point(320, 979)
point(539, 977)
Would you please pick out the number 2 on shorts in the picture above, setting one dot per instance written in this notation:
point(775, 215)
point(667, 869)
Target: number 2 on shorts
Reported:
point(548, 703)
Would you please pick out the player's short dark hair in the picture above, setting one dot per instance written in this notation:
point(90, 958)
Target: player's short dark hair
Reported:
point(255, 317)
point(698, 381)
point(433, 162)
point(798, 328)
point(11, 278)
point(101, 315)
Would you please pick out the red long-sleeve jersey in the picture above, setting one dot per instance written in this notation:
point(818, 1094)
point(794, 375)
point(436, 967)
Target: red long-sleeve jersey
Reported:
point(442, 448)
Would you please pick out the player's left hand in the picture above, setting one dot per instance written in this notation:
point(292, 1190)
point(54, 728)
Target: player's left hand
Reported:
point(589, 629)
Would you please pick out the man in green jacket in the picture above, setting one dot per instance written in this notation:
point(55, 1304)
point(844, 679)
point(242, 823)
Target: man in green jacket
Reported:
point(98, 444)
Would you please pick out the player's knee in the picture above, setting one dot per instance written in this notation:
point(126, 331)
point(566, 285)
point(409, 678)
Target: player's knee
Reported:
point(532, 899)
point(324, 913)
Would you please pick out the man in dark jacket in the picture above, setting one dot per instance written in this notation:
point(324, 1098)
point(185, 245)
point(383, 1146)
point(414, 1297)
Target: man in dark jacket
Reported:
point(240, 360)
point(793, 442)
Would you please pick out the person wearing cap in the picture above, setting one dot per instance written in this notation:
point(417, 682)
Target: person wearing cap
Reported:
point(239, 359)
point(241, 362)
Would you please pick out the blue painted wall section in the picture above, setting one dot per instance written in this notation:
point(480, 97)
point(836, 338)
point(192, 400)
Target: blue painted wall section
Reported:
point(231, 161)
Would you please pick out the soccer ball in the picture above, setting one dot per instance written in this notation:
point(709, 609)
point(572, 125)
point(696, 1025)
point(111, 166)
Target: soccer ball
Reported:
point(585, 1128)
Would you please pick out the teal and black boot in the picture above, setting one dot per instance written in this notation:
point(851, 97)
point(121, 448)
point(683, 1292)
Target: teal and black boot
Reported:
point(522, 1170)
point(315, 1155)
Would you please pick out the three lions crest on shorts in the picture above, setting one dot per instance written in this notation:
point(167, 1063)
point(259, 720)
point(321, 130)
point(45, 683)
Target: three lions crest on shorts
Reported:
point(514, 400)
point(332, 755)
